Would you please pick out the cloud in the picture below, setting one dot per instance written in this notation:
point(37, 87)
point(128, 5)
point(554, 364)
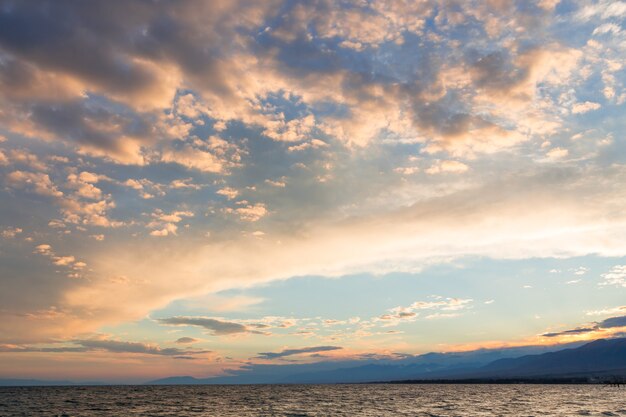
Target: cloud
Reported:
point(134, 347)
point(557, 153)
point(598, 327)
point(93, 128)
point(217, 327)
point(466, 222)
point(249, 212)
point(605, 9)
point(233, 78)
point(23, 157)
point(96, 213)
point(83, 184)
point(298, 351)
point(73, 266)
point(616, 276)
point(193, 158)
point(398, 314)
point(113, 346)
point(577, 331)
point(30, 349)
point(585, 107)
point(37, 182)
point(313, 144)
point(185, 183)
point(11, 232)
point(184, 340)
point(228, 192)
point(373, 113)
point(56, 224)
point(447, 166)
point(279, 184)
point(165, 224)
point(606, 311)
point(613, 322)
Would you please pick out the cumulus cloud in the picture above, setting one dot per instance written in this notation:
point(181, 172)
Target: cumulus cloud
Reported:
point(73, 266)
point(585, 107)
point(23, 157)
point(233, 79)
point(249, 212)
point(37, 182)
point(185, 183)
point(228, 192)
point(165, 224)
point(193, 158)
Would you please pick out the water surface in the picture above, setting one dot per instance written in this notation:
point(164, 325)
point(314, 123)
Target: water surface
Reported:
point(316, 400)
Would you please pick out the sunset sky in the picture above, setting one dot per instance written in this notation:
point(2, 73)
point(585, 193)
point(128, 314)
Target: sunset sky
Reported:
point(191, 187)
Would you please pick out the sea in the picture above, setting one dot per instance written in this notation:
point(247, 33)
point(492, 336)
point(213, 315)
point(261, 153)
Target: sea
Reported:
point(315, 400)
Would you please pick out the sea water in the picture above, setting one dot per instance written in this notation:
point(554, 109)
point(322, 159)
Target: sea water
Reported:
point(315, 400)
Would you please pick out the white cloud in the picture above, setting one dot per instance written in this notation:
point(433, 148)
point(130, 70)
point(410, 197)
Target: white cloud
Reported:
point(616, 276)
point(447, 308)
point(279, 184)
point(193, 158)
point(447, 166)
point(557, 153)
point(607, 311)
point(607, 28)
point(585, 107)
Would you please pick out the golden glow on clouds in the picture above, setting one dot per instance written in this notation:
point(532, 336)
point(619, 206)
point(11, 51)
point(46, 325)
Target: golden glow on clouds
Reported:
point(182, 149)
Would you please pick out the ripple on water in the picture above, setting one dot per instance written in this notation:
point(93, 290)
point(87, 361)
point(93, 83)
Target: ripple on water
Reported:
point(314, 400)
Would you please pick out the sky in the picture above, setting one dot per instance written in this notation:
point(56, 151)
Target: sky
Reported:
point(189, 188)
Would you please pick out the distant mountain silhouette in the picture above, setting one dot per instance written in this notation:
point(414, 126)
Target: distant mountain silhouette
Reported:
point(598, 357)
point(429, 365)
point(15, 382)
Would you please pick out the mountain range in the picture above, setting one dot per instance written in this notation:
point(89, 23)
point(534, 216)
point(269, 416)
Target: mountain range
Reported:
point(598, 358)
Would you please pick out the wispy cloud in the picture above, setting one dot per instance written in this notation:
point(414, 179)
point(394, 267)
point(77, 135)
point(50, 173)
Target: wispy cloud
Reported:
point(113, 346)
point(217, 327)
point(610, 323)
point(296, 351)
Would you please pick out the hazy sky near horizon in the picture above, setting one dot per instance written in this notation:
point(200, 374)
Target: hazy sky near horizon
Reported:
point(190, 187)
